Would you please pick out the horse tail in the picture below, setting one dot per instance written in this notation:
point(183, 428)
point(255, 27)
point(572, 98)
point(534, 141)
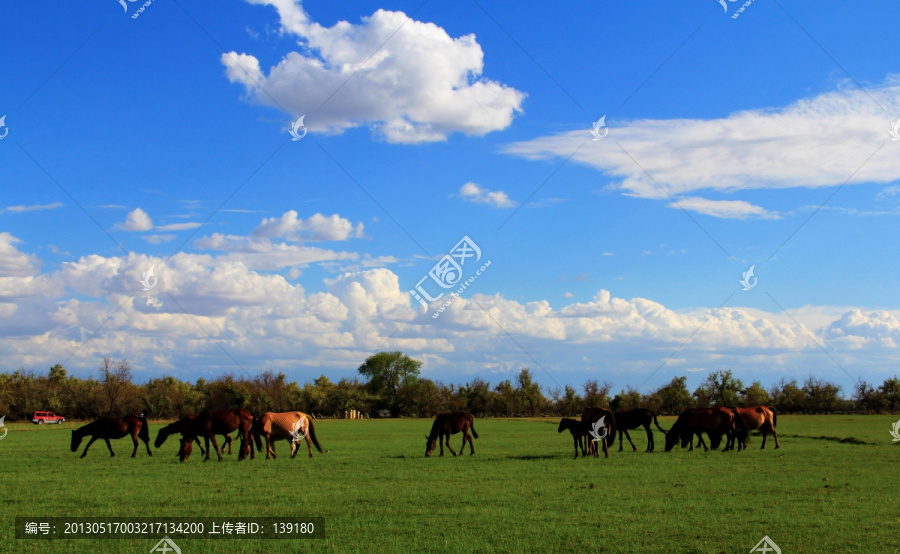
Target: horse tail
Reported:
point(144, 432)
point(474, 434)
point(656, 421)
point(774, 417)
point(739, 424)
point(312, 435)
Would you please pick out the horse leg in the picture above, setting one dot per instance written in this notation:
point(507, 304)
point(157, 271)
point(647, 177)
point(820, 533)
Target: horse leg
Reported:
point(135, 441)
point(216, 446)
point(108, 445)
point(605, 448)
point(93, 438)
point(650, 444)
point(628, 436)
point(200, 444)
point(308, 445)
point(620, 440)
point(450, 448)
point(269, 451)
point(775, 436)
point(206, 440)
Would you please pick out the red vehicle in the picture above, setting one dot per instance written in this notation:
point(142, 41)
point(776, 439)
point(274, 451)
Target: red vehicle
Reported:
point(46, 417)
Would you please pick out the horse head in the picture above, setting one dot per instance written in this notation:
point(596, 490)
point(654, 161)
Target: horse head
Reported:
point(187, 446)
point(430, 445)
point(76, 441)
point(161, 436)
point(672, 437)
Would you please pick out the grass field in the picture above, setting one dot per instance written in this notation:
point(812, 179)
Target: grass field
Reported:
point(521, 492)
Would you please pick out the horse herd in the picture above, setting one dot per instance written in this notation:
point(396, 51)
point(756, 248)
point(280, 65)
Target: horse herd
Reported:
point(732, 423)
point(271, 426)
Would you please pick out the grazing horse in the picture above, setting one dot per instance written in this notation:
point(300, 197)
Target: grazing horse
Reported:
point(592, 415)
point(113, 428)
point(292, 426)
point(757, 417)
point(210, 423)
point(715, 422)
point(580, 432)
point(181, 426)
point(450, 424)
point(632, 419)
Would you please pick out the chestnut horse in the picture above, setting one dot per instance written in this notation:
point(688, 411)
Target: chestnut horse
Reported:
point(181, 426)
point(593, 415)
point(632, 419)
point(714, 421)
point(758, 417)
point(210, 423)
point(450, 424)
point(580, 432)
point(113, 428)
point(292, 426)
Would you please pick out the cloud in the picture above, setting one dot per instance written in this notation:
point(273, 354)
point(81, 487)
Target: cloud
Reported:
point(33, 208)
point(725, 209)
point(821, 141)
point(317, 228)
point(204, 303)
point(409, 81)
point(470, 192)
point(137, 220)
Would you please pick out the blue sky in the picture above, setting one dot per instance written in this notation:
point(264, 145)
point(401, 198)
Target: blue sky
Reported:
point(163, 141)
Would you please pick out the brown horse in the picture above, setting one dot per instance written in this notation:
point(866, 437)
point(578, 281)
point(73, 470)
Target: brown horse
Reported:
point(210, 423)
point(450, 424)
point(113, 428)
point(593, 415)
point(181, 426)
point(292, 426)
point(632, 419)
point(758, 417)
point(715, 422)
point(580, 432)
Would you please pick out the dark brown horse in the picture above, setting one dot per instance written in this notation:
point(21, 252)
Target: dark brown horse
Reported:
point(580, 433)
point(210, 423)
point(592, 416)
point(632, 419)
point(450, 424)
point(181, 426)
point(714, 421)
point(113, 428)
point(757, 417)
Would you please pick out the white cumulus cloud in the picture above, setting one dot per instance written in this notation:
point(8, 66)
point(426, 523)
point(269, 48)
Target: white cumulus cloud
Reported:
point(408, 80)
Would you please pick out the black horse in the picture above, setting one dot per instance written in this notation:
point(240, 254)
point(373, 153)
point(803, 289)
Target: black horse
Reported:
point(632, 419)
point(113, 428)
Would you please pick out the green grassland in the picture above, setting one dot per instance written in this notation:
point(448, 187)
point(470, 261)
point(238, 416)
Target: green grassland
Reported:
point(520, 492)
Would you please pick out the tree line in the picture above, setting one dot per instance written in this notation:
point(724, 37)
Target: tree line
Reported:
point(390, 383)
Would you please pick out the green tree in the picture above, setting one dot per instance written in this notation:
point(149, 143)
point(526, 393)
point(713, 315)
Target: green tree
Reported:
point(787, 396)
point(890, 392)
point(674, 397)
point(387, 372)
point(528, 394)
point(720, 389)
point(756, 395)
